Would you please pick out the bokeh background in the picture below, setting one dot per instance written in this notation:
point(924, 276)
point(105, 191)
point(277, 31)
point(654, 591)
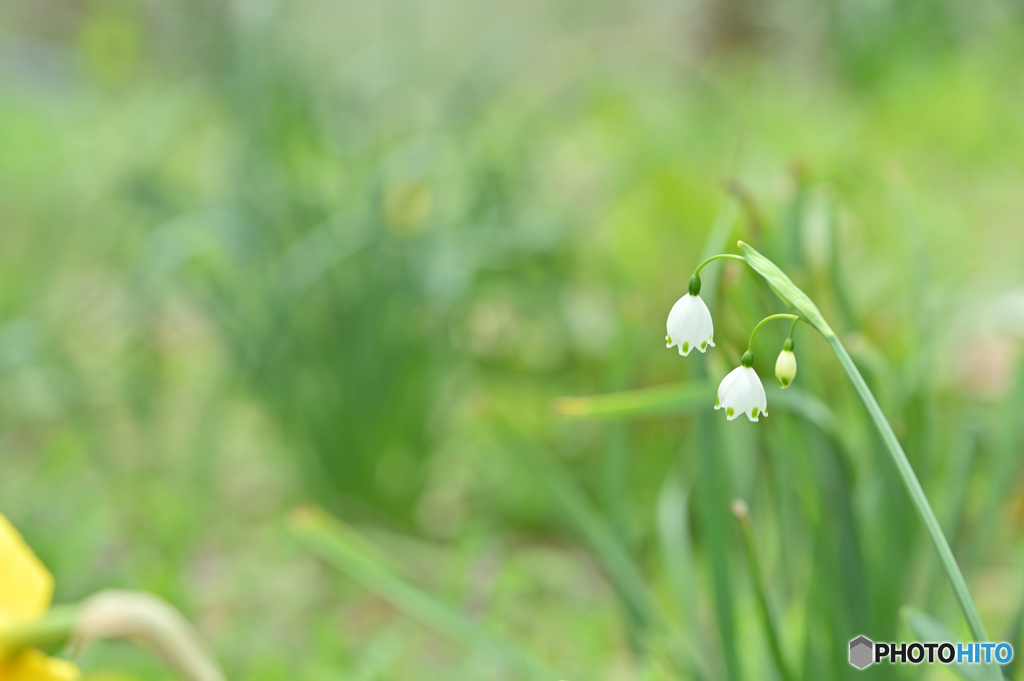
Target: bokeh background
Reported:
point(257, 254)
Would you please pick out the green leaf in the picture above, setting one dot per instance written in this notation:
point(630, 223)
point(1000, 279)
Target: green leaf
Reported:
point(784, 287)
point(343, 548)
point(811, 409)
point(662, 399)
point(930, 630)
point(622, 570)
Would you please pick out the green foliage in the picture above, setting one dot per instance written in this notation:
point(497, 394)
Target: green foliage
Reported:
point(412, 261)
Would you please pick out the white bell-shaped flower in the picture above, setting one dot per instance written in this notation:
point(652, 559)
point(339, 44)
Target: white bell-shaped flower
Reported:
point(785, 365)
point(689, 322)
point(741, 392)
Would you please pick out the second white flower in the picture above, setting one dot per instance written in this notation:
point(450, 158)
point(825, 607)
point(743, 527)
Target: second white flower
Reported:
point(741, 392)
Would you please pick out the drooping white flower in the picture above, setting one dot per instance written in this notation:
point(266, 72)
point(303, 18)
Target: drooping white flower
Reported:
point(785, 365)
point(741, 392)
point(689, 322)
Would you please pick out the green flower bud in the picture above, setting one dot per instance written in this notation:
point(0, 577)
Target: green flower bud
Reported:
point(785, 365)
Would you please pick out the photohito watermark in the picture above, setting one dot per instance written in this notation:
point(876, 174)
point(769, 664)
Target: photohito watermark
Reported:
point(864, 652)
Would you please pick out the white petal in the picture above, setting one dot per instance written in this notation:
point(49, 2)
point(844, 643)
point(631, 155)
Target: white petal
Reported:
point(689, 325)
point(741, 392)
point(726, 391)
point(703, 326)
point(757, 401)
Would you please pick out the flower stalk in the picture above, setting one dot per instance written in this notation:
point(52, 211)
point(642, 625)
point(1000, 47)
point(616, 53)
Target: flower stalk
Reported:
point(801, 302)
point(917, 496)
point(795, 318)
point(720, 256)
point(741, 391)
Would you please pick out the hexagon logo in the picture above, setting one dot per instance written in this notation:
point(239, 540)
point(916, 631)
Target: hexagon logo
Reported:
point(861, 649)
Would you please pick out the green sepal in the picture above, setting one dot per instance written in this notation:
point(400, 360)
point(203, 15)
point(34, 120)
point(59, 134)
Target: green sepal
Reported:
point(694, 285)
point(784, 288)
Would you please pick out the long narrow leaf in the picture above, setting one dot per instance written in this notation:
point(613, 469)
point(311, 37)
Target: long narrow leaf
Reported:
point(662, 399)
point(623, 572)
point(340, 546)
point(927, 629)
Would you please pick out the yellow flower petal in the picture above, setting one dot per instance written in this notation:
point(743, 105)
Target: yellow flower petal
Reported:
point(32, 665)
point(26, 586)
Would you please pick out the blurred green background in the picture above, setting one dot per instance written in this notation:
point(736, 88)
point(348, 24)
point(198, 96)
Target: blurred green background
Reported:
point(258, 254)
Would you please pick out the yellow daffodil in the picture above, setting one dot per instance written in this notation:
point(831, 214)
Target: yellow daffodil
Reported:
point(26, 587)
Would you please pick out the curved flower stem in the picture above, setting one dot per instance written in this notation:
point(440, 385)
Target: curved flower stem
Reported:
point(720, 256)
point(795, 318)
point(792, 326)
point(800, 301)
point(910, 481)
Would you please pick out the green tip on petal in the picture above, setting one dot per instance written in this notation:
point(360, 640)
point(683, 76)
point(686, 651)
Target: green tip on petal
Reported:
point(729, 412)
point(704, 345)
point(753, 413)
point(686, 347)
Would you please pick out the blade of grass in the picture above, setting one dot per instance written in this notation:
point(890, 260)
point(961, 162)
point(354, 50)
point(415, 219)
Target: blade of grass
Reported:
point(742, 514)
point(1013, 637)
point(341, 547)
point(812, 410)
point(676, 398)
point(625, 575)
point(712, 496)
point(926, 628)
point(1004, 469)
point(799, 300)
point(917, 495)
point(955, 491)
point(839, 289)
point(712, 501)
point(662, 399)
point(615, 478)
point(672, 522)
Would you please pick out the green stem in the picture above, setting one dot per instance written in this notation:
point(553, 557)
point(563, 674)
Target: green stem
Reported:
point(739, 509)
point(792, 327)
point(720, 256)
point(54, 628)
point(917, 496)
point(795, 318)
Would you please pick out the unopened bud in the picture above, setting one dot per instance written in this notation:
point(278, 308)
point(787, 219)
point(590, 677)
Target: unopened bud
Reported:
point(785, 365)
